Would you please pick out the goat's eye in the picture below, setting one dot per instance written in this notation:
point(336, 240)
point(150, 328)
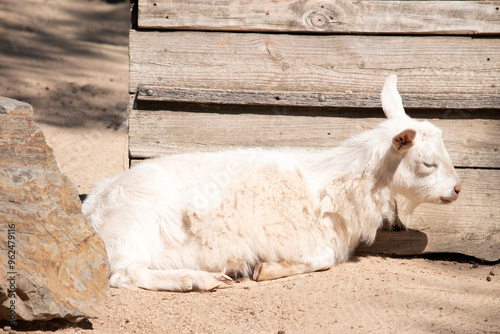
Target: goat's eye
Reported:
point(430, 164)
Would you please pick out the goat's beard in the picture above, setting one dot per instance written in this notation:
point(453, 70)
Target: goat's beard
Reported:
point(404, 211)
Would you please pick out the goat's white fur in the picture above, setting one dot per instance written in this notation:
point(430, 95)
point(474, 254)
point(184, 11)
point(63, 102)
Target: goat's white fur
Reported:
point(183, 222)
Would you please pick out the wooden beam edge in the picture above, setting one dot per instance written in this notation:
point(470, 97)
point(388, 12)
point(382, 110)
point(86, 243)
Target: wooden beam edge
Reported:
point(158, 93)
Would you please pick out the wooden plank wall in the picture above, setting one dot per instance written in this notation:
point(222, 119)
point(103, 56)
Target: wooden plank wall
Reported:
point(204, 77)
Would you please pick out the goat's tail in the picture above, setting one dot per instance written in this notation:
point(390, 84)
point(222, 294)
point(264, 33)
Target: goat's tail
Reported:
point(94, 201)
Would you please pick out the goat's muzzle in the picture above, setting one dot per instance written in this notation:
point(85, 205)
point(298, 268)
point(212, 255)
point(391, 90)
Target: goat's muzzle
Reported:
point(453, 196)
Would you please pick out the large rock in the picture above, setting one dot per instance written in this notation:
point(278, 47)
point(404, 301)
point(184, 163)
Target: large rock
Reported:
point(52, 264)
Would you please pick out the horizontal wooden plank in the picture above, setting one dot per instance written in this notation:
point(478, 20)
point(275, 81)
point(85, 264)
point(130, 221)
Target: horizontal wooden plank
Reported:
point(470, 142)
point(328, 16)
point(310, 99)
point(426, 66)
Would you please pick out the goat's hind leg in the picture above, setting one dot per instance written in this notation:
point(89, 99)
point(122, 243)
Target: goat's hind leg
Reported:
point(173, 280)
point(265, 271)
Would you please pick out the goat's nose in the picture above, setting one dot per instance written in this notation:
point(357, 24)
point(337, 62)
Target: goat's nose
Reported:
point(457, 188)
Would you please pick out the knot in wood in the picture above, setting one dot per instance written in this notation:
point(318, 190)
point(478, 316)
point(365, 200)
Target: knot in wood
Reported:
point(321, 18)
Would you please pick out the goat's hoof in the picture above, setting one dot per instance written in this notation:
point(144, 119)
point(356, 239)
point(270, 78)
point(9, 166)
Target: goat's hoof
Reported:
point(211, 285)
point(257, 271)
point(226, 282)
point(225, 279)
point(218, 281)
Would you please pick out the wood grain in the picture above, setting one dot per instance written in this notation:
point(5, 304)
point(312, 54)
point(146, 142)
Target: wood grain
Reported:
point(339, 16)
point(470, 142)
point(460, 66)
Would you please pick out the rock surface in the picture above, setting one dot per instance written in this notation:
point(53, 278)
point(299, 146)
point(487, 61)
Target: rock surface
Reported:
point(52, 264)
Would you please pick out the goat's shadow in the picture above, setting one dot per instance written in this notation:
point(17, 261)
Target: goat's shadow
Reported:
point(396, 242)
point(394, 238)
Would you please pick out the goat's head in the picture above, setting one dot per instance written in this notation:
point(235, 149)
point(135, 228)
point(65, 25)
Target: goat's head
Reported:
point(425, 172)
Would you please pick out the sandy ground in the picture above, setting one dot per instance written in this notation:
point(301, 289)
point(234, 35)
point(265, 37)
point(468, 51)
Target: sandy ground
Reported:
point(69, 60)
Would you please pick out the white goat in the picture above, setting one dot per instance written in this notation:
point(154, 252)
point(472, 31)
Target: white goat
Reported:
point(184, 222)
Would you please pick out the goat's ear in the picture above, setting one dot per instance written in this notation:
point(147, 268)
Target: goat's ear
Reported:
point(392, 104)
point(403, 141)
